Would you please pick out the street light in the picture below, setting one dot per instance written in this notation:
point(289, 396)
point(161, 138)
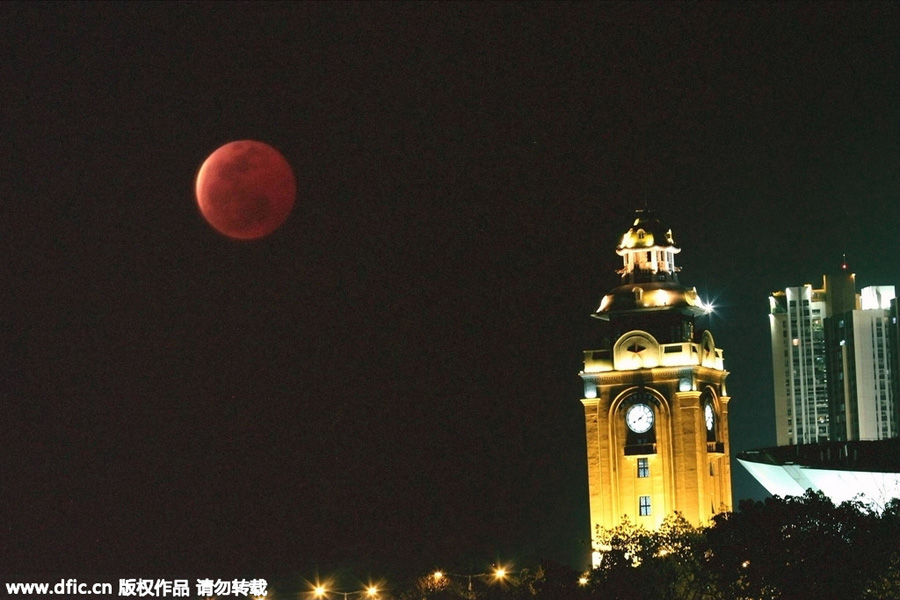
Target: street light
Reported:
point(498, 574)
point(370, 592)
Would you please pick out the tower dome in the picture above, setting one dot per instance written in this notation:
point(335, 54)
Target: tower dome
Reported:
point(646, 232)
point(649, 274)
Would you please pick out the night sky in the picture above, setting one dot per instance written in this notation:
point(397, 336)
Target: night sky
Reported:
point(388, 383)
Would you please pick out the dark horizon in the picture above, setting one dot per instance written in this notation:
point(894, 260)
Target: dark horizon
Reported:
point(388, 384)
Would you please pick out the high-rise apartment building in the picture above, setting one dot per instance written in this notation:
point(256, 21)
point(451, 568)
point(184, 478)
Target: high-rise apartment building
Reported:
point(831, 362)
point(797, 328)
point(861, 372)
point(836, 360)
point(894, 338)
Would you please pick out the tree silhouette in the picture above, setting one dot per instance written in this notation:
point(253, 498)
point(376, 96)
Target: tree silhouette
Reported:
point(801, 547)
point(663, 564)
point(790, 548)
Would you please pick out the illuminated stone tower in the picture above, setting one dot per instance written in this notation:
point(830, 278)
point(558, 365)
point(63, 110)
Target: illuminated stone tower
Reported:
point(655, 405)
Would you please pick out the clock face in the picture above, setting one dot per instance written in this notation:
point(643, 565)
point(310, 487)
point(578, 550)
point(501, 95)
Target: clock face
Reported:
point(710, 418)
point(639, 418)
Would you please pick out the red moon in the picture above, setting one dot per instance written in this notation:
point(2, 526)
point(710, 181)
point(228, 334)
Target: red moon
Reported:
point(246, 189)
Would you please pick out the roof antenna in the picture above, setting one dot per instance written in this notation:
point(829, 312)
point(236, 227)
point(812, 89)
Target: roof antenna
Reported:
point(844, 265)
point(646, 209)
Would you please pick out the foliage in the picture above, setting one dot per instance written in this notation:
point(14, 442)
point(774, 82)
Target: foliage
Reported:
point(660, 564)
point(552, 581)
point(782, 548)
point(431, 588)
point(800, 547)
point(884, 580)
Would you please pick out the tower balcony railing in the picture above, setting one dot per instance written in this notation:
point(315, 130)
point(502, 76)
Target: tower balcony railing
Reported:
point(597, 361)
point(679, 354)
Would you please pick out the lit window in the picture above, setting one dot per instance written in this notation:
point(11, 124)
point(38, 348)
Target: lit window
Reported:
point(643, 467)
point(644, 506)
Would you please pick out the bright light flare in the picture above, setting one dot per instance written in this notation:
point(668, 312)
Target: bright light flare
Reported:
point(708, 307)
point(500, 573)
point(371, 591)
point(582, 580)
point(438, 575)
point(319, 591)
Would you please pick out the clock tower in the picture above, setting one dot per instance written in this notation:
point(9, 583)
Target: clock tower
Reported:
point(655, 402)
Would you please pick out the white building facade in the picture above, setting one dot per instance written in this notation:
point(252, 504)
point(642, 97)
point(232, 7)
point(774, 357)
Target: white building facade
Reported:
point(861, 370)
point(796, 323)
point(797, 328)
